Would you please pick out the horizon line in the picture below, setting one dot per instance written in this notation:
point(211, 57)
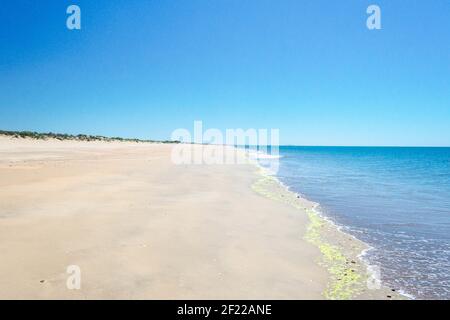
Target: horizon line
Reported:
point(51, 134)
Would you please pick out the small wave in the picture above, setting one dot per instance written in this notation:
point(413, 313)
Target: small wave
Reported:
point(262, 155)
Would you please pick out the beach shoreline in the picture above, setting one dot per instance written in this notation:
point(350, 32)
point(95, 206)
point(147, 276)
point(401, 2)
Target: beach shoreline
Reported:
point(342, 254)
point(141, 227)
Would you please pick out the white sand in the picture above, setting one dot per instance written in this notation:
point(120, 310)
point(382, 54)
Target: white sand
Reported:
point(140, 227)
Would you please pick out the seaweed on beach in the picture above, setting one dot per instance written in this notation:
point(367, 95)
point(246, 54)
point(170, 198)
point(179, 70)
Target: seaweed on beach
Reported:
point(344, 282)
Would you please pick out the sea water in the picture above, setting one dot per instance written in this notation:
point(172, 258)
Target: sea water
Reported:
point(397, 200)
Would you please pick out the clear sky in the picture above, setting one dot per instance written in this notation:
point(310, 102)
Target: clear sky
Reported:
point(143, 68)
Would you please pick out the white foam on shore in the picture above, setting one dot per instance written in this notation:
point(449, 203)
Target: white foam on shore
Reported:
point(372, 270)
point(362, 256)
point(255, 155)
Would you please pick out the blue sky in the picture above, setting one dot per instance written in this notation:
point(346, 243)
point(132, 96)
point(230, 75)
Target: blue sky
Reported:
point(311, 68)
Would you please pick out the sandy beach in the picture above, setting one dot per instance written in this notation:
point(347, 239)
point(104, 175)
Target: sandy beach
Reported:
point(141, 227)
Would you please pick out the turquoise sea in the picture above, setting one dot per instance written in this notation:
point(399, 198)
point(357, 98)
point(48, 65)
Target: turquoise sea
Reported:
point(397, 200)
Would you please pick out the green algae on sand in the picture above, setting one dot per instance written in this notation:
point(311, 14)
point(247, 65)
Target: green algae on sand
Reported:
point(345, 282)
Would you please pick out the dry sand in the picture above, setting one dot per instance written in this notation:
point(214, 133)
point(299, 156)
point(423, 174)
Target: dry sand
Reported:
point(141, 227)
